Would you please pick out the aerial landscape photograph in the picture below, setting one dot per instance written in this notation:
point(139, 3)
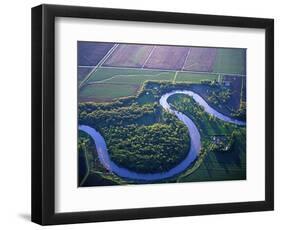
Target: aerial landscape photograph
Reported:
point(151, 113)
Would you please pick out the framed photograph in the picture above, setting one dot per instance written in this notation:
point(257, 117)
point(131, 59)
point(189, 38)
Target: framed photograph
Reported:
point(142, 114)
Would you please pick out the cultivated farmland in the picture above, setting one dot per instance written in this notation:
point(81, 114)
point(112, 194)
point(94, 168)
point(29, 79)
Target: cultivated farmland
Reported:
point(129, 56)
point(102, 92)
point(130, 65)
point(195, 77)
point(216, 165)
point(106, 81)
point(131, 75)
point(104, 74)
point(83, 72)
point(167, 57)
point(230, 61)
point(200, 59)
point(90, 53)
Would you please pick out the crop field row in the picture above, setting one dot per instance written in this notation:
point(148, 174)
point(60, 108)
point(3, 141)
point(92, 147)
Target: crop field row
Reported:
point(200, 59)
point(109, 70)
point(129, 55)
point(109, 83)
point(230, 61)
point(167, 57)
point(107, 92)
point(137, 75)
point(116, 75)
point(218, 60)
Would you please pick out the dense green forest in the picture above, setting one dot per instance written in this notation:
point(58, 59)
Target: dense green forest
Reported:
point(148, 149)
point(142, 138)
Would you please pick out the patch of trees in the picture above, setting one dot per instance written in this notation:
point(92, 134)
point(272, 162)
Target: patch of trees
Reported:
point(187, 105)
point(142, 138)
point(148, 149)
point(232, 144)
point(160, 88)
point(134, 114)
point(219, 97)
point(221, 143)
point(241, 113)
point(209, 82)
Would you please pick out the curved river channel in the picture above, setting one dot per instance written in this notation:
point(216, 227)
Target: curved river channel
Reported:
point(195, 141)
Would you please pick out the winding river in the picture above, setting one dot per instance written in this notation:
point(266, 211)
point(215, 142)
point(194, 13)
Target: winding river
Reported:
point(195, 141)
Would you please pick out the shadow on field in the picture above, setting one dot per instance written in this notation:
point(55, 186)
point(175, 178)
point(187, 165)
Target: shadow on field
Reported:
point(228, 159)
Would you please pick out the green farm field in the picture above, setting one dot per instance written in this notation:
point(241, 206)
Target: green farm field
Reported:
point(102, 92)
point(125, 75)
point(218, 166)
point(107, 84)
point(195, 77)
point(82, 73)
point(230, 61)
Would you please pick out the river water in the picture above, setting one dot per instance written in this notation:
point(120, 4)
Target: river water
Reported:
point(195, 141)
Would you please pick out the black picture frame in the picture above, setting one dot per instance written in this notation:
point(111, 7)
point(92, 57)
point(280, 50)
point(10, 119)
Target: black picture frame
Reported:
point(43, 114)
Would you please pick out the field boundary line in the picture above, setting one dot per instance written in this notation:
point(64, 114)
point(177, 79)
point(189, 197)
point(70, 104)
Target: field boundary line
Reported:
point(175, 77)
point(86, 66)
point(173, 70)
point(99, 64)
point(137, 68)
point(148, 56)
point(128, 75)
point(193, 64)
point(219, 77)
point(187, 55)
point(112, 83)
